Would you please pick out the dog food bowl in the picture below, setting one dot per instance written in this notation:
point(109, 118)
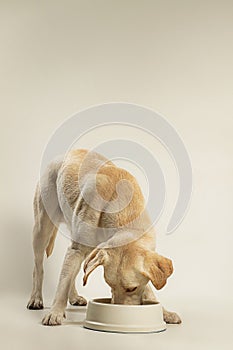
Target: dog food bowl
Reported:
point(104, 316)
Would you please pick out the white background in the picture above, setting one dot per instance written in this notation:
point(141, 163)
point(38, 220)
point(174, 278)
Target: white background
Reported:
point(172, 56)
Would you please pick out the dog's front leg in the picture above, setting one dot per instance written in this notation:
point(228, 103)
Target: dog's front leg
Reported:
point(70, 268)
point(148, 295)
point(168, 316)
point(171, 317)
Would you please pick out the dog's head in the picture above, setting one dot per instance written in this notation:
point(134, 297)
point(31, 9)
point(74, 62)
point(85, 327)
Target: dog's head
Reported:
point(127, 271)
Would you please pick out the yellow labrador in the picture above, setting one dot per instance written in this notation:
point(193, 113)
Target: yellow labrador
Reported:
point(83, 191)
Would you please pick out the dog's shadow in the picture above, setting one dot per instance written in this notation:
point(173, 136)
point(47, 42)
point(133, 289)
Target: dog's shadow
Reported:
point(75, 316)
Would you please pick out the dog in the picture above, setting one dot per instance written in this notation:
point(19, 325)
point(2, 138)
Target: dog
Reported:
point(103, 208)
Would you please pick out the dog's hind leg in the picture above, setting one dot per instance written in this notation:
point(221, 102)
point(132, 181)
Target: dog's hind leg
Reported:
point(74, 298)
point(44, 233)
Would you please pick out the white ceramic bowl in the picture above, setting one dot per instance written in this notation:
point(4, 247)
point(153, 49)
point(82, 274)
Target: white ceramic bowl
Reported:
point(104, 316)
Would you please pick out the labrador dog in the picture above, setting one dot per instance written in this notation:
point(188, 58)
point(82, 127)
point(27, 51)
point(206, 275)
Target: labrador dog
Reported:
point(103, 207)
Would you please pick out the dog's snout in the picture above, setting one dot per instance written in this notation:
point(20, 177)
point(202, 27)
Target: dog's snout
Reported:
point(125, 299)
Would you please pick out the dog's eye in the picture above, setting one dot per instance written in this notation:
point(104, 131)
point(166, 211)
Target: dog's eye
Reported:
point(129, 290)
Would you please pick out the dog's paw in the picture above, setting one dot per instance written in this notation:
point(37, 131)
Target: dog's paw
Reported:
point(53, 318)
point(35, 304)
point(78, 301)
point(171, 317)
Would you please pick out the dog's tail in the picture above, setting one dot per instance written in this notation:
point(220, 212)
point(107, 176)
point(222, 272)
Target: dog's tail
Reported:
point(46, 205)
point(50, 246)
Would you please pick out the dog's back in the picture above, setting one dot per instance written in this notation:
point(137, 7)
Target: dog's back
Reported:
point(89, 171)
point(87, 191)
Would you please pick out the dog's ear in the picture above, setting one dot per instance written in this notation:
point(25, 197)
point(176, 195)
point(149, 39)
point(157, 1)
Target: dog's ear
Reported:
point(96, 258)
point(157, 268)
